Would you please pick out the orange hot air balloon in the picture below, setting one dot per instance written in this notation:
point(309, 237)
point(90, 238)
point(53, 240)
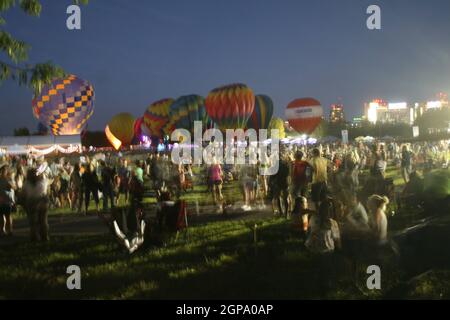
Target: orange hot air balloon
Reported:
point(230, 106)
point(304, 115)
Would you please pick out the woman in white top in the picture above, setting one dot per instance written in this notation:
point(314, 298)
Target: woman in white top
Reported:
point(35, 192)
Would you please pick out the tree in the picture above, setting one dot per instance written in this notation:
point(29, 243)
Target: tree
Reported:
point(42, 130)
point(16, 51)
point(21, 132)
point(433, 121)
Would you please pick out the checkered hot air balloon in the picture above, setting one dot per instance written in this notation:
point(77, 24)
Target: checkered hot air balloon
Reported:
point(156, 117)
point(187, 109)
point(262, 114)
point(230, 106)
point(65, 105)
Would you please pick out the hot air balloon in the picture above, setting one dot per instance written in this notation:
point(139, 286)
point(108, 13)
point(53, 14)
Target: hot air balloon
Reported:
point(65, 105)
point(156, 117)
point(230, 106)
point(187, 109)
point(304, 115)
point(120, 130)
point(262, 114)
point(277, 124)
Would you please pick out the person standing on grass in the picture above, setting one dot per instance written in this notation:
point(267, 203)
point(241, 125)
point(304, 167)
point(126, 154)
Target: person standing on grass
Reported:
point(320, 177)
point(124, 174)
point(248, 177)
point(279, 187)
point(64, 189)
point(75, 187)
point(215, 179)
point(406, 163)
point(107, 175)
point(90, 185)
point(7, 201)
point(36, 204)
point(300, 176)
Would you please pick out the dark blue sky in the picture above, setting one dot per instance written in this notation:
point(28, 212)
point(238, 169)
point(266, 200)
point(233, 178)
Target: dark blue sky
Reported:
point(137, 51)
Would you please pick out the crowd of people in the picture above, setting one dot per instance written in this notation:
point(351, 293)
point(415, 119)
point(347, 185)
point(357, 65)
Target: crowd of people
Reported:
point(321, 188)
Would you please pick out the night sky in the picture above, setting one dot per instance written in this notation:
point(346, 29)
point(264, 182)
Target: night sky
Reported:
point(135, 52)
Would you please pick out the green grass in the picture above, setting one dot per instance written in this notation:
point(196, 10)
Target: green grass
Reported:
point(220, 260)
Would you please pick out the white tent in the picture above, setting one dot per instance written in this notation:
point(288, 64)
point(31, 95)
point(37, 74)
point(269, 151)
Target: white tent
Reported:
point(40, 145)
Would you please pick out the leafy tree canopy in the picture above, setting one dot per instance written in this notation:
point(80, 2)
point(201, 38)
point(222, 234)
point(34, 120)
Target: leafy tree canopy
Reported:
point(16, 51)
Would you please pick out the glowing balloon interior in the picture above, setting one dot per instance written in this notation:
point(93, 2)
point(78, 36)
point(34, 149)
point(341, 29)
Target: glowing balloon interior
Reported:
point(65, 105)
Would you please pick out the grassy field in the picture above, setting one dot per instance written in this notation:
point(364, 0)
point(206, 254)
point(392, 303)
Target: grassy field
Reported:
point(217, 260)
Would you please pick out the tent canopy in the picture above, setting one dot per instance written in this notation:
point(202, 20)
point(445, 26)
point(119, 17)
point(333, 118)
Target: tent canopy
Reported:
point(23, 145)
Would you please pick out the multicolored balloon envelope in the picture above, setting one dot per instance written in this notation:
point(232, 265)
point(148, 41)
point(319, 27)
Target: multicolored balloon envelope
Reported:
point(230, 106)
point(262, 114)
point(65, 105)
point(187, 109)
point(156, 117)
point(304, 115)
point(120, 130)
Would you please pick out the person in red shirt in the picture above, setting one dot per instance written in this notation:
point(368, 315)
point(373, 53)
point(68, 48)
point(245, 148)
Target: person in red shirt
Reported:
point(300, 176)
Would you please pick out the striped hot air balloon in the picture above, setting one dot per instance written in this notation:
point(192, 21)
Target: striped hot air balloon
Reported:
point(230, 106)
point(262, 114)
point(65, 105)
point(187, 109)
point(304, 115)
point(156, 117)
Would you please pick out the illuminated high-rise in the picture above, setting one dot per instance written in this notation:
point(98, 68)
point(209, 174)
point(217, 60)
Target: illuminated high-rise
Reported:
point(337, 113)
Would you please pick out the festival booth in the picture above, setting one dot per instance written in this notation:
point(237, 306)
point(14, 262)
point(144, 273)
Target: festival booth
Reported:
point(40, 145)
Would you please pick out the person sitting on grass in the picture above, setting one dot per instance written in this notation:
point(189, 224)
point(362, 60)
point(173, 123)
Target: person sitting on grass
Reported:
point(412, 192)
point(301, 214)
point(356, 221)
point(323, 239)
point(379, 224)
point(324, 235)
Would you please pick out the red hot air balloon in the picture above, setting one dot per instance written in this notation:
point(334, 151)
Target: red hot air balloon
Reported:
point(304, 115)
point(230, 106)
